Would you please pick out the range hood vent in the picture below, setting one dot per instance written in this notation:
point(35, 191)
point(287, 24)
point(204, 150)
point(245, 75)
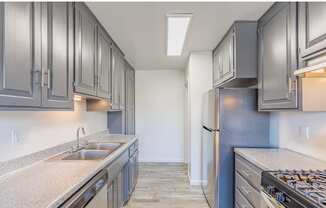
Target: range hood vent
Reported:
point(318, 70)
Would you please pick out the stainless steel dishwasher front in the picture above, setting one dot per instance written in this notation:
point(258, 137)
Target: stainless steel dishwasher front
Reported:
point(92, 195)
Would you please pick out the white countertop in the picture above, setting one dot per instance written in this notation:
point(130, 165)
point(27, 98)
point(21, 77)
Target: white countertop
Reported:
point(49, 183)
point(279, 159)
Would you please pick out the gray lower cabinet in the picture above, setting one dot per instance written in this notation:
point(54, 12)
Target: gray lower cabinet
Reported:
point(312, 30)
point(104, 64)
point(120, 185)
point(235, 57)
point(36, 62)
point(85, 50)
point(247, 184)
point(111, 194)
point(57, 55)
point(20, 54)
point(130, 99)
point(277, 58)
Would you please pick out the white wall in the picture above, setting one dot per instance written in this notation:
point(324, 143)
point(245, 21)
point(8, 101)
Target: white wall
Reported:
point(287, 130)
point(199, 76)
point(160, 115)
point(37, 130)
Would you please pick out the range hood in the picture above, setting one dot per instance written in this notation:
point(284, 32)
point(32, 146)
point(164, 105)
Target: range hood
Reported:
point(317, 70)
point(312, 85)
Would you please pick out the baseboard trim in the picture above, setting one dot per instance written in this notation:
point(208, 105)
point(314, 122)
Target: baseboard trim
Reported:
point(162, 161)
point(195, 182)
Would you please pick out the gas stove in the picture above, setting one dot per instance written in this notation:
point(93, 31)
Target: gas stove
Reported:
point(296, 189)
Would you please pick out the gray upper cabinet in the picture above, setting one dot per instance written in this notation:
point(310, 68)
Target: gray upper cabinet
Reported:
point(235, 57)
point(57, 57)
point(104, 65)
point(85, 50)
point(130, 99)
point(277, 31)
point(117, 79)
point(20, 54)
point(312, 30)
point(122, 84)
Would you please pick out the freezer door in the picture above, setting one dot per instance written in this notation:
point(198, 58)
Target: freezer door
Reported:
point(209, 164)
point(209, 110)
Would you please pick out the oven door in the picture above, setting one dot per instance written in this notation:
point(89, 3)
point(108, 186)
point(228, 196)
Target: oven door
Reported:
point(268, 201)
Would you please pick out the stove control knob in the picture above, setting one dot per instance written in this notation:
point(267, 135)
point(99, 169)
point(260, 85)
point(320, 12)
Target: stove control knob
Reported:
point(280, 197)
point(270, 189)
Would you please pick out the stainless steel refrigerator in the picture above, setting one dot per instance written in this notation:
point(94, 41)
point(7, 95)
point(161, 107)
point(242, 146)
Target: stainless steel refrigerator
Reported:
point(229, 119)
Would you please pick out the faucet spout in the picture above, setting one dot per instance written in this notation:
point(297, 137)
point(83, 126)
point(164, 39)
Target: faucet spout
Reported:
point(78, 135)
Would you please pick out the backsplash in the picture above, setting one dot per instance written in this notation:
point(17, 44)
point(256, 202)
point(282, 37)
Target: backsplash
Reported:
point(26, 132)
point(288, 129)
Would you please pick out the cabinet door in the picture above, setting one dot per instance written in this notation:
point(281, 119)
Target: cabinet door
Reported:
point(20, 54)
point(223, 60)
point(278, 57)
point(117, 79)
point(57, 57)
point(85, 50)
point(122, 84)
point(130, 101)
point(104, 65)
point(227, 70)
point(110, 195)
point(216, 70)
point(120, 190)
point(115, 76)
point(312, 30)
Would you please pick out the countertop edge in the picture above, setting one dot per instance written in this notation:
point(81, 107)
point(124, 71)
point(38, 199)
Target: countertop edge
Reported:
point(284, 159)
point(251, 159)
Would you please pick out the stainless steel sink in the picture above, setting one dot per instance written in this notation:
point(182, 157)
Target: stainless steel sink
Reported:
point(110, 147)
point(86, 154)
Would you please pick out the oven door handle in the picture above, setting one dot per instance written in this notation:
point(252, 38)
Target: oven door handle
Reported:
point(269, 202)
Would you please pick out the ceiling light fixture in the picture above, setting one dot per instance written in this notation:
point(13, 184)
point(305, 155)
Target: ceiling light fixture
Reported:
point(177, 27)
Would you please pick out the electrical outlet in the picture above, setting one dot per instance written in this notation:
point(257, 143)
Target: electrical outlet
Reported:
point(13, 136)
point(305, 132)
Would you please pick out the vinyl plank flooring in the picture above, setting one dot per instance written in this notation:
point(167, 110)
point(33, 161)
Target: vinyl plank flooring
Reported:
point(165, 186)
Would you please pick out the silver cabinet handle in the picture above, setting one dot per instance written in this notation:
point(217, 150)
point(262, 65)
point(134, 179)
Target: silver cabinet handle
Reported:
point(245, 190)
point(246, 173)
point(44, 73)
point(49, 79)
point(290, 84)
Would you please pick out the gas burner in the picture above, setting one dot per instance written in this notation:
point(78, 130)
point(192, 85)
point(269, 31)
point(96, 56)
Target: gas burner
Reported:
point(308, 186)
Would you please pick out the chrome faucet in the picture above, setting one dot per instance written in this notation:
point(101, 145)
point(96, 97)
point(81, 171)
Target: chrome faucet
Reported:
point(78, 136)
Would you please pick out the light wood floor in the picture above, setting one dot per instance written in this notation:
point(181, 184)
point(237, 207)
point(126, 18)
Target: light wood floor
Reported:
point(165, 186)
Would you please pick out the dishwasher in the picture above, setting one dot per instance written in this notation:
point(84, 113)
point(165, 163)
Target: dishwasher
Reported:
point(92, 195)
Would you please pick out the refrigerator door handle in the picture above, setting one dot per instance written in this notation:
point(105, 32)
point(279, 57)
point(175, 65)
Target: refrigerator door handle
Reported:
point(210, 130)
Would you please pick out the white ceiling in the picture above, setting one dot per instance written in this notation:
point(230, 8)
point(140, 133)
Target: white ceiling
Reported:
point(140, 28)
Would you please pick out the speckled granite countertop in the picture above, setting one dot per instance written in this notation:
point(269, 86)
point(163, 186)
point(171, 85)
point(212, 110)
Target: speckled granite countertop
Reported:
point(279, 159)
point(48, 183)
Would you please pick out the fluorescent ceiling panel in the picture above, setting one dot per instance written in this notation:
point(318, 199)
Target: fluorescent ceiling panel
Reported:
point(177, 27)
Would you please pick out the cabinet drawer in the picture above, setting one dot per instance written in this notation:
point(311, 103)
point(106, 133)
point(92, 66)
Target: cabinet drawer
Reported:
point(250, 172)
point(247, 190)
point(241, 201)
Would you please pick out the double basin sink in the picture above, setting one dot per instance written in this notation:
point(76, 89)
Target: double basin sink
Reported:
point(92, 151)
